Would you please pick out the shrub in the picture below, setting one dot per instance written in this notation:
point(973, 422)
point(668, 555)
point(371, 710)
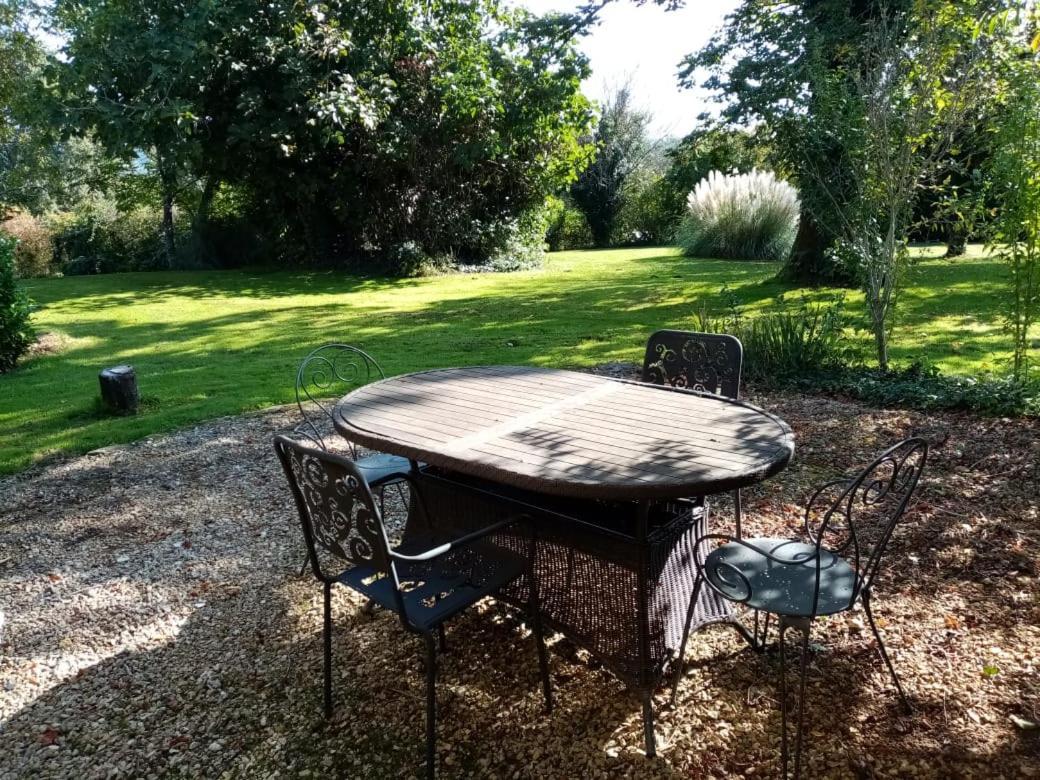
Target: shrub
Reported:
point(804, 349)
point(16, 333)
point(648, 216)
point(34, 252)
point(750, 216)
point(926, 388)
point(787, 344)
point(99, 238)
point(567, 226)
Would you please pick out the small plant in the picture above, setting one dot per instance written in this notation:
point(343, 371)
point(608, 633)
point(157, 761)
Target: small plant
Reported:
point(786, 343)
point(748, 216)
point(16, 333)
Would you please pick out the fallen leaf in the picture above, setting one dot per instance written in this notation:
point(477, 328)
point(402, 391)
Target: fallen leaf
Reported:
point(952, 622)
point(49, 736)
point(1025, 725)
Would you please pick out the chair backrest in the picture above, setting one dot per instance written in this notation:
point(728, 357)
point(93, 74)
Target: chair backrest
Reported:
point(709, 362)
point(855, 517)
point(337, 510)
point(330, 370)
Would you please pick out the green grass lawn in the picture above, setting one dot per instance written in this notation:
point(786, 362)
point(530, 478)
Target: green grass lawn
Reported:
point(213, 343)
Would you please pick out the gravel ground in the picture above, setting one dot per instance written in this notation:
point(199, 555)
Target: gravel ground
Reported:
point(156, 625)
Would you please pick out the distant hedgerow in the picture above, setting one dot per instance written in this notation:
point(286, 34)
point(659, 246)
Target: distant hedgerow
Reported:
point(748, 216)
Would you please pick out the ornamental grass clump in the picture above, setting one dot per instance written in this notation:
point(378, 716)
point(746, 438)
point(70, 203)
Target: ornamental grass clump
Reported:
point(747, 216)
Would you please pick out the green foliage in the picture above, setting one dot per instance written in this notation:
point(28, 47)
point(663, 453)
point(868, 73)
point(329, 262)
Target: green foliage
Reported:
point(807, 348)
point(34, 252)
point(785, 344)
point(622, 147)
point(750, 216)
point(355, 127)
point(566, 226)
point(99, 238)
point(1013, 185)
point(16, 332)
point(926, 388)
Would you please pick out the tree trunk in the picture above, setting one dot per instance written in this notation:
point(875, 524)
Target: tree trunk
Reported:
point(168, 180)
point(956, 243)
point(209, 191)
point(881, 342)
point(808, 262)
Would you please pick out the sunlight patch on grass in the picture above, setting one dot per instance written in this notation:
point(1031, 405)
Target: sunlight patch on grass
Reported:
point(213, 343)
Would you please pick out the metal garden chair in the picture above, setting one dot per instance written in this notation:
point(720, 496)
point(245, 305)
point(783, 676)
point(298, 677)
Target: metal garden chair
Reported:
point(799, 581)
point(331, 370)
point(709, 362)
point(425, 581)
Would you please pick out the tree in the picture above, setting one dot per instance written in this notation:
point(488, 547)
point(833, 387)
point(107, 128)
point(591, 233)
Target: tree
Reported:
point(621, 145)
point(1013, 186)
point(356, 127)
point(769, 65)
point(919, 80)
point(20, 57)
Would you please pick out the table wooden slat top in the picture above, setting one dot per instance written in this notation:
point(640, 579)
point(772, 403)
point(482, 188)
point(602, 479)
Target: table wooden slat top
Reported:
point(568, 433)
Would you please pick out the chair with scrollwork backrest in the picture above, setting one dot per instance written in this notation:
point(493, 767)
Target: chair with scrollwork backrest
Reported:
point(425, 581)
point(331, 370)
point(848, 523)
point(707, 362)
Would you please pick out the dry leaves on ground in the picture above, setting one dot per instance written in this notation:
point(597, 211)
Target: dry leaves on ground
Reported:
point(156, 624)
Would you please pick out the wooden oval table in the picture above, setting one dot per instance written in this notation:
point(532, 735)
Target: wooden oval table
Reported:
point(610, 470)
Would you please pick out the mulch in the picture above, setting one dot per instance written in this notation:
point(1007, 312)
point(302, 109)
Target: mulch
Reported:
point(155, 623)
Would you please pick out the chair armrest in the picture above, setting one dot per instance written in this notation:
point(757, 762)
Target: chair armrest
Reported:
point(462, 541)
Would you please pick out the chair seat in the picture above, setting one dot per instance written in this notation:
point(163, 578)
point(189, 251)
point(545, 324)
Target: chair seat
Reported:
point(378, 467)
point(781, 588)
point(433, 591)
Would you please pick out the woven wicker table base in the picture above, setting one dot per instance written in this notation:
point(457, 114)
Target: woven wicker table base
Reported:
point(614, 577)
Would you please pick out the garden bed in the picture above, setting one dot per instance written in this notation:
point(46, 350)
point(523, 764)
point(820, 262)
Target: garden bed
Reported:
point(156, 623)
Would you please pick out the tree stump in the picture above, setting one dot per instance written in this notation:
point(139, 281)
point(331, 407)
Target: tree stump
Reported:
point(119, 389)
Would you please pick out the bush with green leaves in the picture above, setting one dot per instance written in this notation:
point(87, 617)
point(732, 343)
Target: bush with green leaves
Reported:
point(34, 252)
point(787, 342)
point(16, 332)
point(567, 226)
point(747, 216)
point(926, 388)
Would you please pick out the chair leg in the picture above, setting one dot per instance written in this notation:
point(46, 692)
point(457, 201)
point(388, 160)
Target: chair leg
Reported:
point(431, 707)
point(327, 641)
point(680, 659)
point(783, 698)
point(884, 653)
point(569, 576)
point(803, 625)
point(441, 641)
point(648, 724)
point(801, 705)
point(543, 659)
point(738, 512)
point(761, 637)
point(306, 560)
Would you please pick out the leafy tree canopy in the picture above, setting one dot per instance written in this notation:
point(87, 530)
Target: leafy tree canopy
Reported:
point(355, 126)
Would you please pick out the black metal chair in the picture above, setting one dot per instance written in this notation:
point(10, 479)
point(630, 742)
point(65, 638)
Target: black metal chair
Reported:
point(331, 370)
point(425, 581)
point(799, 581)
point(708, 362)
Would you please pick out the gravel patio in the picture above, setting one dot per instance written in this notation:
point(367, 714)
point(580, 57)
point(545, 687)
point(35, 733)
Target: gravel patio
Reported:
point(157, 625)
